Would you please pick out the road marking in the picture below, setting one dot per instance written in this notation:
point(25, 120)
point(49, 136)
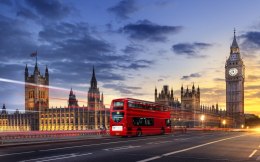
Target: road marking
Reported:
point(150, 159)
point(155, 143)
point(59, 157)
point(56, 156)
point(187, 149)
point(97, 144)
point(252, 154)
point(18, 153)
point(120, 148)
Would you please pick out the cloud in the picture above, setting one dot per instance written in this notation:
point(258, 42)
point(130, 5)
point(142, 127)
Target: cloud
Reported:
point(251, 40)
point(124, 8)
point(51, 9)
point(137, 64)
point(72, 48)
point(14, 34)
point(193, 75)
point(146, 30)
point(252, 78)
point(190, 49)
point(219, 79)
point(123, 89)
point(6, 2)
point(133, 49)
point(63, 31)
point(252, 87)
point(26, 13)
point(253, 95)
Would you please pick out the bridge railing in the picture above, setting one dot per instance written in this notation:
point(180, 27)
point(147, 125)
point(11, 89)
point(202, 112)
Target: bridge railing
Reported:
point(40, 136)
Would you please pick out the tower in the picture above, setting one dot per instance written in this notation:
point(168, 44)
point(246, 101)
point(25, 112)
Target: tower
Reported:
point(36, 90)
point(235, 78)
point(190, 100)
point(72, 102)
point(95, 103)
point(165, 97)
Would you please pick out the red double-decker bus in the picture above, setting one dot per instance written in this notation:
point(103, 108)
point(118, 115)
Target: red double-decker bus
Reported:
point(133, 117)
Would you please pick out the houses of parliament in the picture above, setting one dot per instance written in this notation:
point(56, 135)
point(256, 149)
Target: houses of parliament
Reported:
point(186, 112)
point(38, 115)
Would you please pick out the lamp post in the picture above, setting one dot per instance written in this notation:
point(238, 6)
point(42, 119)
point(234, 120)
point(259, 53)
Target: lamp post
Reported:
point(202, 118)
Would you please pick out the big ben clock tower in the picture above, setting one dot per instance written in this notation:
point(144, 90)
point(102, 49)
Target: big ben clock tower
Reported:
point(235, 78)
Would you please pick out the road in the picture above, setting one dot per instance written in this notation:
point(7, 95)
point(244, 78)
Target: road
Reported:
point(193, 146)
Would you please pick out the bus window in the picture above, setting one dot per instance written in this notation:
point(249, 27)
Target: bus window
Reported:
point(117, 116)
point(168, 122)
point(143, 121)
point(118, 105)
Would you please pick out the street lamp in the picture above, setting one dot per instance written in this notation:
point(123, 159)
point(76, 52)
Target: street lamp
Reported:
point(242, 126)
point(202, 118)
point(224, 123)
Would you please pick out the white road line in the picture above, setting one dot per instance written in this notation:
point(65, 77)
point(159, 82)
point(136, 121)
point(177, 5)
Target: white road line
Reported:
point(17, 153)
point(187, 149)
point(150, 159)
point(49, 157)
point(252, 154)
point(60, 157)
point(73, 156)
point(120, 148)
point(97, 144)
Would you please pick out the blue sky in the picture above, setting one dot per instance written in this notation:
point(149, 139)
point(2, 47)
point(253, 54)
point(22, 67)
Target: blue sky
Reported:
point(134, 46)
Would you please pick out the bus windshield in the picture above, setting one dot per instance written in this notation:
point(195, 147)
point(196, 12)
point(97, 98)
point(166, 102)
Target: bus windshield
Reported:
point(118, 105)
point(117, 116)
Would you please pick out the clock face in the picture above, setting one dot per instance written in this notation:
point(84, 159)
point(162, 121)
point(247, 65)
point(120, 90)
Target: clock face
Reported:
point(233, 71)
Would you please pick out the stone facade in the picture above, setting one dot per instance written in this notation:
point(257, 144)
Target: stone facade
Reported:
point(166, 97)
point(235, 78)
point(38, 115)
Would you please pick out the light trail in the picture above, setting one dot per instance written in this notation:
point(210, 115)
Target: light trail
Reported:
point(44, 86)
point(49, 87)
point(36, 85)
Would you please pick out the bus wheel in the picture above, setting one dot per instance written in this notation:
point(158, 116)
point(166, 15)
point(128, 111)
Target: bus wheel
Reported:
point(162, 131)
point(139, 133)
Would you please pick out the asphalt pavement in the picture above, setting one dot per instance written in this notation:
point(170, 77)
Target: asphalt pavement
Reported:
point(193, 146)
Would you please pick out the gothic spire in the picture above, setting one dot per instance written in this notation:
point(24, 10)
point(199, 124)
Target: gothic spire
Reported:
point(36, 66)
point(93, 81)
point(3, 109)
point(193, 88)
point(71, 92)
point(26, 73)
point(234, 46)
point(234, 43)
point(46, 70)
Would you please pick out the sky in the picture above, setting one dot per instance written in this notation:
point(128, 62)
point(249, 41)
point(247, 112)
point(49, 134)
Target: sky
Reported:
point(134, 46)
